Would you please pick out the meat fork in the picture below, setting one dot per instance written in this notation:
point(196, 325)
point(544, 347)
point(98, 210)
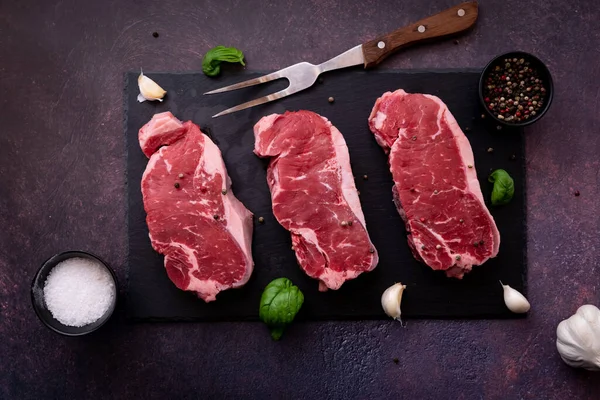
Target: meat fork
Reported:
point(303, 75)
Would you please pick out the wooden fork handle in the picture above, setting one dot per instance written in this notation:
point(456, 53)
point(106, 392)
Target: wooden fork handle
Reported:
point(449, 22)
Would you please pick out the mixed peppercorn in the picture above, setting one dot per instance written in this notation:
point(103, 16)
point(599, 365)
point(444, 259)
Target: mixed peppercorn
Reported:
point(514, 91)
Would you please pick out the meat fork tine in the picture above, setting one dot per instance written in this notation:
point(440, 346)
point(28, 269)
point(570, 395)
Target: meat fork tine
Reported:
point(261, 100)
point(250, 82)
point(300, 76)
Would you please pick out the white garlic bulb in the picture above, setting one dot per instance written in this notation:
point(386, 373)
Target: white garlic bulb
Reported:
point(149, 90)
point(514, 300)
point(578, 338)
point(391, 299)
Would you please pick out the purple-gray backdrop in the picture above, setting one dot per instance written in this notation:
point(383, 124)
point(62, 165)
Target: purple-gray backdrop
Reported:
point(62, 164)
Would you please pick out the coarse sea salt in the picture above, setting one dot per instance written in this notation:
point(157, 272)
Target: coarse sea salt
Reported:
point(79, 291)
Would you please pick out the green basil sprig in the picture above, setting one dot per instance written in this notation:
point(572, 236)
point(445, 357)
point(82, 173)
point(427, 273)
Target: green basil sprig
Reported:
point(504, 187)
point(211, 63)
point(280, 302)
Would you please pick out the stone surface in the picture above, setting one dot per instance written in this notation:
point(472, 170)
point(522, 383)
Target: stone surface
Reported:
point(62, 187)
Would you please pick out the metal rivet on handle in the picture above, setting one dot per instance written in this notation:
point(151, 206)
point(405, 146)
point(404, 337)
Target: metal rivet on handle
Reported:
point(461, 12)
point(381, 45)
point(421, 28)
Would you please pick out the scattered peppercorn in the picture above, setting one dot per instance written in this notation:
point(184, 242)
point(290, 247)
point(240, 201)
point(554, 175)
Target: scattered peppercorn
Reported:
point(577, 193)
point(215, 216)
point(438, 246)
point(467, 129)
point(482, 116)
point(513, 157)
point(458, 257)
point(180, 176)
point(349, 223)
point(224, 191)
point(396, 361)
point(331, 99)
point(423, 247)
point(371, 250)
point(461, 220)
point(511, 88)
point(414, 138)
point(344, 223)
point(469, 166)
point(490, 150)
point(176, 185)
point(481, 242)
point(155, 34)
point(499, 127)
point(456, 42)
point(475, 244)
point(261, 220)
point(365, 177)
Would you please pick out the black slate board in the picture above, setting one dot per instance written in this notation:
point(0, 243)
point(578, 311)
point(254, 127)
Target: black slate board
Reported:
point(151, 295)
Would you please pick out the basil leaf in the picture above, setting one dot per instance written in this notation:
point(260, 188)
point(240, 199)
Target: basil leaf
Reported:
point(280, 302)
point(211, 63)
point(504, 187)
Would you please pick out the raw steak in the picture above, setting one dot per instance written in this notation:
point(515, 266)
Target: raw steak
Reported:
point(314, 196)
point(436, 189)
point(203, 230)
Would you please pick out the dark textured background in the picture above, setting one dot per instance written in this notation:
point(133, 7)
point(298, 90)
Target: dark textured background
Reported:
point(62, 187)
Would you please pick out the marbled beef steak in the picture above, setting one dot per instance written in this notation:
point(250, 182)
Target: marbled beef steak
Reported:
point(436, 190)
point(203, 230)
point(314, 196)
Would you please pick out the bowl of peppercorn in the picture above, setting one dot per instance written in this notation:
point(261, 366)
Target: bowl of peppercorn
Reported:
point(515, 89)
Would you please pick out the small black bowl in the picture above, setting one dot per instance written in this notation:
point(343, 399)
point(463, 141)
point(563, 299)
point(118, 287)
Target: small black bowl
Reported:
point(39, 304)
point(536, 64)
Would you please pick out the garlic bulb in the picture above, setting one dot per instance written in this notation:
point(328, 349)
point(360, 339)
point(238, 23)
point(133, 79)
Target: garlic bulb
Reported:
point(514, 300)
point(149, 90)
point(391, 299)
point(578, 338)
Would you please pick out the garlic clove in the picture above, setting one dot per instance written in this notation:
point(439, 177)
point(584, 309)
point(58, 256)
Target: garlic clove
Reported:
point(514, 300)
point(391, 300)
point(149, 90)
